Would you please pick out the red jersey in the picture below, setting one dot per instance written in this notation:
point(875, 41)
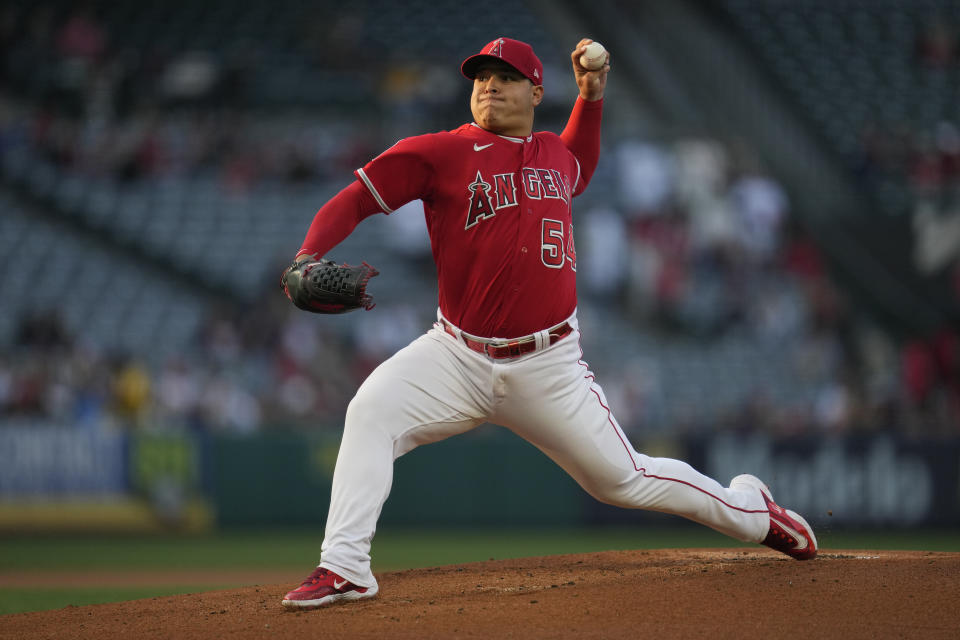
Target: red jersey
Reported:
point(498, 210)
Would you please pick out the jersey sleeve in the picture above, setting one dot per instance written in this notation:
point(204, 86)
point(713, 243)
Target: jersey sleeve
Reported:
point(402, 173)
point(337, 219)
point(582, 138)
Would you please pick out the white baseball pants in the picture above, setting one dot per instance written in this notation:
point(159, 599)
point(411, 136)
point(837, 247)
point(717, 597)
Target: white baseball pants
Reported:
point(436, 387)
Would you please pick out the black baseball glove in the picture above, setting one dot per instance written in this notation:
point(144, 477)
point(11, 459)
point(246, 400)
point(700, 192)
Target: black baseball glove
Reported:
point(323, 286)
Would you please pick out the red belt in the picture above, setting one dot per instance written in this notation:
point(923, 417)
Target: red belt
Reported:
point(508, 348)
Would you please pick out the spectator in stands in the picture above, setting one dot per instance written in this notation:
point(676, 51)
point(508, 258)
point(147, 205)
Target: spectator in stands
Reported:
point(761, 206)
point(43, 331)
point(604, 246)
point(936, 43)
point(82, 36)
point(132, 392)
point(646, 178)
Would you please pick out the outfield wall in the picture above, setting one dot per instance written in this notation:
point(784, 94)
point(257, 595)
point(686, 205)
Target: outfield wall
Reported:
point(62, 478)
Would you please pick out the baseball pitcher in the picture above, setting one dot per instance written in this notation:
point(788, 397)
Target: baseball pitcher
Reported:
point(505, 348)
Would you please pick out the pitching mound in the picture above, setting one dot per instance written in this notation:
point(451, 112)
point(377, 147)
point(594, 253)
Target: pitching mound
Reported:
point(618, 594)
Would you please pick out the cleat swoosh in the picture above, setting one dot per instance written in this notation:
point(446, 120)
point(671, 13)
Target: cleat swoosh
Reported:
point(800, 539)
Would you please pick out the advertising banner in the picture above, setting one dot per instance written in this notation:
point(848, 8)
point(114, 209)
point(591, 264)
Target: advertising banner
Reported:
point(856, 481)
point(45, 460)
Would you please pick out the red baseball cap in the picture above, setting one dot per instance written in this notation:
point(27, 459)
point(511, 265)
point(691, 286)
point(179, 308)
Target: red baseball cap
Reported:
point(518, 55)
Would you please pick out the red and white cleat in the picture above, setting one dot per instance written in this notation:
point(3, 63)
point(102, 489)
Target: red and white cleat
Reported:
point(323, 587)
point(789, 533)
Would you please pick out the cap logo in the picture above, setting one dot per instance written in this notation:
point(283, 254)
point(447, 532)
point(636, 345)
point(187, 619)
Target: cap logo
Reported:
point(518, 55)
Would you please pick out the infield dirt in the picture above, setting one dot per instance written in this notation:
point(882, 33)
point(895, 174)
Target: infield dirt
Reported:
point(665, 594)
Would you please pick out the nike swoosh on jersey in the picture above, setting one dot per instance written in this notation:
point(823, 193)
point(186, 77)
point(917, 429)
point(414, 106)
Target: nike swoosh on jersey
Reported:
point(478, 147)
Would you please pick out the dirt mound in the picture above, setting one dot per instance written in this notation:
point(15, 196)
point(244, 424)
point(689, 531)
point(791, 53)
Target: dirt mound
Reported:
point(618, 594)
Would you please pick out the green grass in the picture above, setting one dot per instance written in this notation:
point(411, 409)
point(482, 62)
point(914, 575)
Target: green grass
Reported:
point(393, 549)
point(396, 548)
point(939, 540)
point(14, 600)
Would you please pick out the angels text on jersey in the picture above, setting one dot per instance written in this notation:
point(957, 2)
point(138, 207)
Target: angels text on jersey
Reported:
point(486, 197)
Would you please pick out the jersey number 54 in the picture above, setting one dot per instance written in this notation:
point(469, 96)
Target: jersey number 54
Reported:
point(556, 247)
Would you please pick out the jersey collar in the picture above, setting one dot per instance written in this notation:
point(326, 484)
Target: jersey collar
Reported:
point(529, 138)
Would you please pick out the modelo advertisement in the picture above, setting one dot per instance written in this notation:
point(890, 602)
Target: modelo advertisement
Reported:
point(876, 481)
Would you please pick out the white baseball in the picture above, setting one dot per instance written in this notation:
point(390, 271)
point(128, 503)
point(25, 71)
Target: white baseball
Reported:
point(594, 57)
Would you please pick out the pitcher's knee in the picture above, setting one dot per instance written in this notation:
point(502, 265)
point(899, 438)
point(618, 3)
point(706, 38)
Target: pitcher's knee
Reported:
point(619, 493)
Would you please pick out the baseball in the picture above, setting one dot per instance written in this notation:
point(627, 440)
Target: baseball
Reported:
point(594, 57)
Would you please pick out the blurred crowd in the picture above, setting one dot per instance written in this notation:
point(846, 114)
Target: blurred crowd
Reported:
point(700, 244)
point(693, 241)
point(91, 105)
point(925, 160)
point(268, 367)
